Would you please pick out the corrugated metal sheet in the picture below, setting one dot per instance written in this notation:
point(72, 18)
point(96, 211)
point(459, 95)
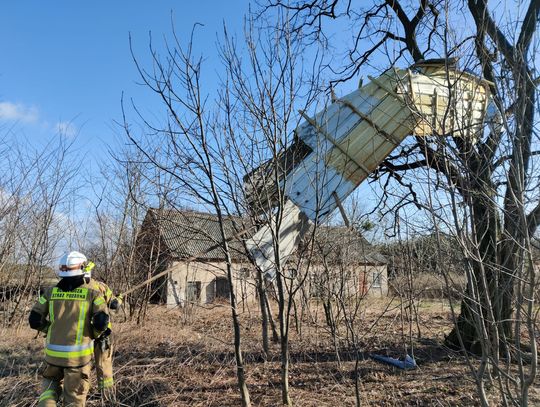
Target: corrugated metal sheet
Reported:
point(352, 136)
point(293, 226)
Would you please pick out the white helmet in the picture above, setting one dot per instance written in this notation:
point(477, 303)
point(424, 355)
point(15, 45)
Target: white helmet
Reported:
point(72, 264)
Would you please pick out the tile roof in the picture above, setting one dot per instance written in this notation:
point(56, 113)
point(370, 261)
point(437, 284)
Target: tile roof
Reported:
point(194, 234)
point(342, 244)
point(189, 233)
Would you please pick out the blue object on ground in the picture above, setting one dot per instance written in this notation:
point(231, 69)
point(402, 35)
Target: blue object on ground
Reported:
point(407, 364)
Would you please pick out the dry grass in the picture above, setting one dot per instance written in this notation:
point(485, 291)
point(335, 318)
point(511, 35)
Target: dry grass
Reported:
point(428, 285)
point(168, 363)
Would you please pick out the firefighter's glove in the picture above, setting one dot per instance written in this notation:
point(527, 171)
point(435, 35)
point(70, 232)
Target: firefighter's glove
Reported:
point(105, 334)
point(37, 321)
point(100, 323)
point(115, 303)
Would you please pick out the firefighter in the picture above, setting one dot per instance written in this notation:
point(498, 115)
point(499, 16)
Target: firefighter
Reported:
point(103, 348)
point(71, 314)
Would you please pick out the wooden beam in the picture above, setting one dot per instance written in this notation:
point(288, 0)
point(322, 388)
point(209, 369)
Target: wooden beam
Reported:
point(368, 120)
point(341, 209)
point(334, 142)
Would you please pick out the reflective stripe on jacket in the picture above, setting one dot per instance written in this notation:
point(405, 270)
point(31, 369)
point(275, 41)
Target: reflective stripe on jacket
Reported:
point(69, 340)
point(107, 294)
point(105, 291)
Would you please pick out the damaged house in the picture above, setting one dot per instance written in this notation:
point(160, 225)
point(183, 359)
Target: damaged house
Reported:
point(344, 264)
point(187, 243)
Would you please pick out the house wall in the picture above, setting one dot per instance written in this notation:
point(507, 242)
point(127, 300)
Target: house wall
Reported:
point(201, 278)
point(376, 287)
point(194, 276)
point(349, 281)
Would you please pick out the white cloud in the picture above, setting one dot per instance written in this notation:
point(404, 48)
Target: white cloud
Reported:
point(18, 112)
point(66, 129)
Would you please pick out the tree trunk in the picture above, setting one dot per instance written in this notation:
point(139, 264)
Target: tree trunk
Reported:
point(264, 314)
point(284, 341)
point(481, 307)
point(275, 336)
point(240, 374)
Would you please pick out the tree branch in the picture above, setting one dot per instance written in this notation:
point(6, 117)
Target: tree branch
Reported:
point(478, 9)
point(404, 167)
point(529, 26)
point(409, 27)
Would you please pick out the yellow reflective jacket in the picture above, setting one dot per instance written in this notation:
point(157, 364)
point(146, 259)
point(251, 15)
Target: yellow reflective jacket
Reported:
point(70, 334)
point(105, 291)
point(107, 294)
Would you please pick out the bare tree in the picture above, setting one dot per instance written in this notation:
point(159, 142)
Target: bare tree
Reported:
point(191, 148)
point(122, 193)
point(273, 81)
point(37, 187)
point(491, 180)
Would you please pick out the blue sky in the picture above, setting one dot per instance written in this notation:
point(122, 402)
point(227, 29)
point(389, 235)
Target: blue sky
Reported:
point(65, 64)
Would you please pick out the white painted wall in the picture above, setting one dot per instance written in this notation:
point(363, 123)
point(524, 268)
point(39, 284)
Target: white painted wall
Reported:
point(206, 273)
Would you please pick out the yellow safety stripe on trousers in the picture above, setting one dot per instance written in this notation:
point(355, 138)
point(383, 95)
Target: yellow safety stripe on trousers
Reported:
point(42, 299)
point(99, 301)
point(66, 355)
point(80, 323)
point(106, 383)
point(48, 395)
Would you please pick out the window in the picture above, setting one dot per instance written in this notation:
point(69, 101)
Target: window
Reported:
point(376, 282)
point(222, 289)
point(317, 289)
point(244, 273)
point(319, 286)
point(292, 273)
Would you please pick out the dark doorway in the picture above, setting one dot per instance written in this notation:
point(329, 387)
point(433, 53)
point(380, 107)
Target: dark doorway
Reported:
point(222, 288)
point(193, 292)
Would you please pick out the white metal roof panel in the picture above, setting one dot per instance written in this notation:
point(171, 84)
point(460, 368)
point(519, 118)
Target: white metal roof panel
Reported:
point(352, 136)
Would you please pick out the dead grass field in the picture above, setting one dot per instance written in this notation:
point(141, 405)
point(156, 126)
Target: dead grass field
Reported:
point(166, 362)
